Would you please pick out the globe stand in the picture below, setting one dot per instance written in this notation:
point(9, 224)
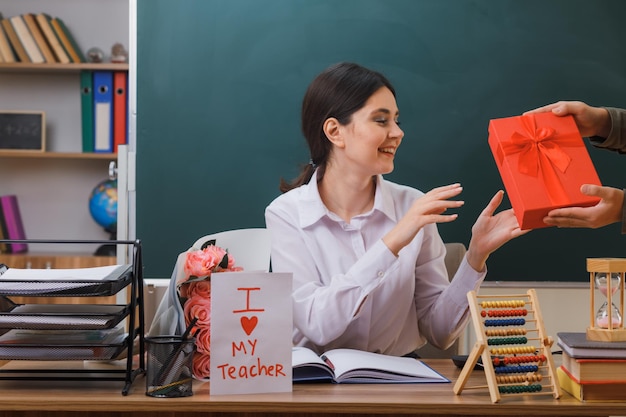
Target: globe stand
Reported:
point(107, 249)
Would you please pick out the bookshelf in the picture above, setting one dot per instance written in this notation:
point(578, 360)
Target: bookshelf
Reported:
point(25, 67)
point(57, 155)
point(53, 186)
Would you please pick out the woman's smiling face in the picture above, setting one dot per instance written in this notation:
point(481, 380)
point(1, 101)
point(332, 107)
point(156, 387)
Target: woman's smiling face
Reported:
point(373, 134)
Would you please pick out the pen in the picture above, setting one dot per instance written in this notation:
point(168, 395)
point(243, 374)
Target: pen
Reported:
point(328, 362)
point(171, 367)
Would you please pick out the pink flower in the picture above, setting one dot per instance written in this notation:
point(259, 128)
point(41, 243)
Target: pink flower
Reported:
point(199, 288)
point(231, 264)
point(199, 307)
point(203, 340)
point(201, 365)
point(195, 295)
point(200, 263)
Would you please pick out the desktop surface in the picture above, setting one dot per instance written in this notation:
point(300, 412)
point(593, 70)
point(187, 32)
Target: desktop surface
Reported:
point(104, 398)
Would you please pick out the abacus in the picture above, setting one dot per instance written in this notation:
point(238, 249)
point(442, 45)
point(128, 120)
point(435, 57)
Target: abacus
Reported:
point(512, 342)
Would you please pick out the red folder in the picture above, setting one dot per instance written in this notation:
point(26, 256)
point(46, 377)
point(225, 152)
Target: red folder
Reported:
point(120, 108)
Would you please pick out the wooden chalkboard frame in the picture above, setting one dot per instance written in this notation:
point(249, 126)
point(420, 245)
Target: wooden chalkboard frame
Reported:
point(27, 133)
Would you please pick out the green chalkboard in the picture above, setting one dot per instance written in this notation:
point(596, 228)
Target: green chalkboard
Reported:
point(220, 82)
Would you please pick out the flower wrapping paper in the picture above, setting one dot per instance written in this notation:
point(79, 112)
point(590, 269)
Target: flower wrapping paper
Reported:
point(543, 162)
point(194, 289)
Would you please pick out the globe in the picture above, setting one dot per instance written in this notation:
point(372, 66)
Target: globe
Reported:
point(103, 205)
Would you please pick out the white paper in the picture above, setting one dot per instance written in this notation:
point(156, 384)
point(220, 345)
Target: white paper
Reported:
point(251, 330)
point(98, 273)
point(33, 281)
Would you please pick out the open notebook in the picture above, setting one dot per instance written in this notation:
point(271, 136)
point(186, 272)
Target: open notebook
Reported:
point(360, 367)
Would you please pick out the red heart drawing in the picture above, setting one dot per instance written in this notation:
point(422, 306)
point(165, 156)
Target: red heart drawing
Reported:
point(249, 323)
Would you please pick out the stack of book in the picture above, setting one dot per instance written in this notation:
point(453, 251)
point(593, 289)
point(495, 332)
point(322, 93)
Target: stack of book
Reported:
point(37, 38)
point(592, 370)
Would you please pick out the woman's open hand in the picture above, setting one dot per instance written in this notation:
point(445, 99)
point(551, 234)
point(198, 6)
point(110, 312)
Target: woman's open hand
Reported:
point(490, 231)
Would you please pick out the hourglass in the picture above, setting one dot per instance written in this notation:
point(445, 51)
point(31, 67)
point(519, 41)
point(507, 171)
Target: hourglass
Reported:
point(607, 278)
point(608, 318)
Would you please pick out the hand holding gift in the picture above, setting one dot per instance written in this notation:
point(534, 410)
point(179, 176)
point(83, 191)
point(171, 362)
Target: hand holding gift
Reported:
point(605, 127)
point(543, 163)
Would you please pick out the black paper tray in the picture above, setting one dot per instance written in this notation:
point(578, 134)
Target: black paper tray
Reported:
point(62, 316)
point(67, 288)
point(65, 352)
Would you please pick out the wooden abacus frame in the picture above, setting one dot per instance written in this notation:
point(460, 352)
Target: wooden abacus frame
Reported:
point(529, 379)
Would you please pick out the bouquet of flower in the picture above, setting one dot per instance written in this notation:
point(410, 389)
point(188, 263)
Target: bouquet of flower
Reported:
point(194, 291)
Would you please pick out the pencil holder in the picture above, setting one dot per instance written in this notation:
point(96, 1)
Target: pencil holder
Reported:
point(168, 366)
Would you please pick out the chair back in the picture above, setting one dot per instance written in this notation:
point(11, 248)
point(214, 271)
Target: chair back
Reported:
point(251, 248)
point(455, 252)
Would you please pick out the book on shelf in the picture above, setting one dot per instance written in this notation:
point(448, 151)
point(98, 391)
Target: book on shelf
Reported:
point(16, 44)
point(595, 369)
point(67, 40)
point(43, 20)
point(13, 220)
point(103, 111)
point(120, 106)
point(19, 25)
point(4, 247)
point(5, 46)
point(611, 391)
point(576, 345)
point(86, 110)
point(31, 22)
point(359, 367)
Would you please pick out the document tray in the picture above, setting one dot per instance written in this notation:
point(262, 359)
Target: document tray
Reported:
point(56, 352)
point(63, 316)
point(67, 287)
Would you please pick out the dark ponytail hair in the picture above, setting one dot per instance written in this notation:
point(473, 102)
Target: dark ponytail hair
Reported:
point(339, 91)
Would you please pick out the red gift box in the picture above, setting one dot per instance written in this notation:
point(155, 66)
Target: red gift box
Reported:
point(543, 161)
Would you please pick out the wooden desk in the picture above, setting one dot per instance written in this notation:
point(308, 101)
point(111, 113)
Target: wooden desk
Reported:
point(100, 399)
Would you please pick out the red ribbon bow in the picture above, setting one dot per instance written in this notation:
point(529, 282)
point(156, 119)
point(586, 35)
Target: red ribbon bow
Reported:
point(540, 154)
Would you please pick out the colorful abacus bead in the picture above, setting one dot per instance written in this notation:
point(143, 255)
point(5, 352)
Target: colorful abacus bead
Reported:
point(504, 322)
point(507, 340)
point(503, 304)
point(519, 389)
point(518, 369)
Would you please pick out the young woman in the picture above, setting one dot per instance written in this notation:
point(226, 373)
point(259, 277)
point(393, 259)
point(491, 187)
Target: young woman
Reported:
point(366, 257)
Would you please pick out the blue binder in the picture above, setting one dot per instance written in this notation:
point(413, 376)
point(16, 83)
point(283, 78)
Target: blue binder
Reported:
point(103, 111)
